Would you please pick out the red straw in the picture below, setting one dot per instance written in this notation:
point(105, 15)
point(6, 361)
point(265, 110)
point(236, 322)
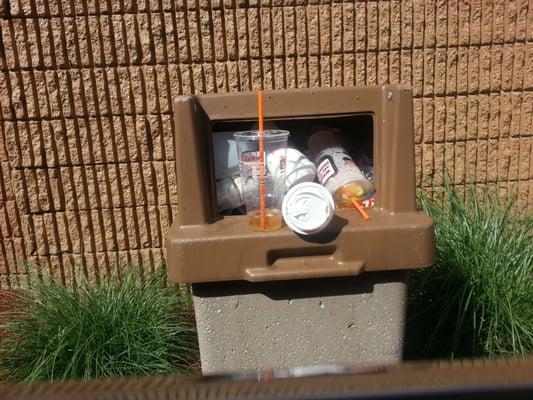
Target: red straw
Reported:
point(261, 159)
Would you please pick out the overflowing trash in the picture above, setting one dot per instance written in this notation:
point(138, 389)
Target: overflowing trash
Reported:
point(303, 182)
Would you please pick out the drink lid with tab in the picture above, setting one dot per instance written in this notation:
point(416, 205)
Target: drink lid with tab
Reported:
point(308, 208)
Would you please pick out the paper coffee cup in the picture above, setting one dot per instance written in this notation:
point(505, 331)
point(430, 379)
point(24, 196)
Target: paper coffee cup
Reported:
point(298, 168)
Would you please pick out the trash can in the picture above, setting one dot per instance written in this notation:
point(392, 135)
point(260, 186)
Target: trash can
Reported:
point(278, 299)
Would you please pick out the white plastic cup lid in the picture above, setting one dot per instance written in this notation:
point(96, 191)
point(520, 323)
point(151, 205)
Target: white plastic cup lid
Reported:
point(308, 208)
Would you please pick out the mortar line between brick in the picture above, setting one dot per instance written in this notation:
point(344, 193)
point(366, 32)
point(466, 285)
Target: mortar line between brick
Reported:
point(343, 75)
point(476, 93)
point(389, 41)
point(39, 45)
point(4, 257)
point(354, 44)
point(520, 144)
point(153, 55)
point(501, 80)
point(224, 39)
point(306, 32)
point(446, 111)
point(365, 51)
point(260, 42)
point(272, 49)
point(146, 207)
point(76, 41)
point(378, 39)
point(150, 164)
point(148, 225)
point(284, 50)
point(445, 168)
point(423, 91)
point(212, 44)
point(3, 179)
point(94, 254)
point(478, 73)
point(116, 64)
point(201, 49)
point(188, 48)
point(252, 83)
point(294, 19)
point(5, 204)
point(405, 14)
point(330, 34)
point(477, 183)
point(203, 7)
point(457, 80)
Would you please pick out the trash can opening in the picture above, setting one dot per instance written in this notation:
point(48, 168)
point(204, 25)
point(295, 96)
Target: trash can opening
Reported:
point(335, 151)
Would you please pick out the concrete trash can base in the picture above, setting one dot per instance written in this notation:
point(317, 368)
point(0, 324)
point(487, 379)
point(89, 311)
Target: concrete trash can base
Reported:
point(348, 320)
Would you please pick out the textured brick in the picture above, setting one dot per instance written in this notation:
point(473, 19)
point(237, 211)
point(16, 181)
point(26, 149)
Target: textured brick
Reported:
point(439, 119)
point(427, 165)
point(528, 66)
point(360, 27)
point(463, 23)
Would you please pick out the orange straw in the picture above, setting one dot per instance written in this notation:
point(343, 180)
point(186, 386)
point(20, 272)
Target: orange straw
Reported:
point(361, 210)
point(261, 159)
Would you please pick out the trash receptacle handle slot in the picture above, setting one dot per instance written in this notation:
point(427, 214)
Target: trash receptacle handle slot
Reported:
point(274, 255)
point(303, 263)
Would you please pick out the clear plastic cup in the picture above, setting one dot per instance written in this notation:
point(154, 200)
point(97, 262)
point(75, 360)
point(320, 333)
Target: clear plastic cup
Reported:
point(275, 149)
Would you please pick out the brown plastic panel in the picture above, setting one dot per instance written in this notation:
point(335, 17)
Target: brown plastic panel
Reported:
point(203, 247)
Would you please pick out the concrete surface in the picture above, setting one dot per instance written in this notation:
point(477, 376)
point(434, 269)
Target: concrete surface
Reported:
point(301, 323)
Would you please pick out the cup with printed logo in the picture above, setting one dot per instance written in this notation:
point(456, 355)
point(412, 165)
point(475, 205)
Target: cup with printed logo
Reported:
point(336, 169)
point(259, 183)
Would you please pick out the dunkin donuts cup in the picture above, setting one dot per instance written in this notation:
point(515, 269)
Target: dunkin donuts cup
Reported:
point(275, 142)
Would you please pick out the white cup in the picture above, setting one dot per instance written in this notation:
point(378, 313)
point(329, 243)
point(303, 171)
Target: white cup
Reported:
point(298, 168)
point(229, 193)
point(225, 154)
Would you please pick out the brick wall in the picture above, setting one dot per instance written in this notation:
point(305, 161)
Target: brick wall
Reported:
point(86, 153)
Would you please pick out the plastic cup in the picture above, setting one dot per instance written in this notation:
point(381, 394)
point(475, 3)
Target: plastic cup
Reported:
point(275, 142)
point(298, 168)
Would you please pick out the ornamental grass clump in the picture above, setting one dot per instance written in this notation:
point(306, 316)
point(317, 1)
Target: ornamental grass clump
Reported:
point(127, 325)
point(477, 300)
